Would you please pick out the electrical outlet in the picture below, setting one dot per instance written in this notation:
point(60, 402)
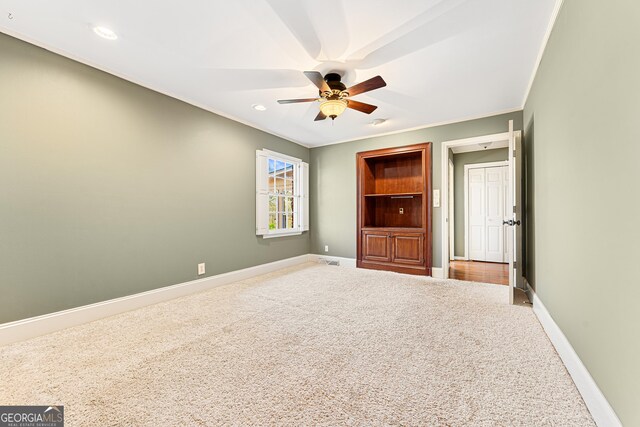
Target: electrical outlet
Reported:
point(201, 269)
point(326, 248)
point(401, 211)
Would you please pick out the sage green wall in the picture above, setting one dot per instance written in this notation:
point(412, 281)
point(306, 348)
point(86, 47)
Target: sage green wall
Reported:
point(333, 180)
point(108, 189)
point(459, 160)
point(583, 144)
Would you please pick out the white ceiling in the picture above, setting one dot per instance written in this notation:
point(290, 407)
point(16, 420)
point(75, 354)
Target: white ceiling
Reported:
point(443, 60)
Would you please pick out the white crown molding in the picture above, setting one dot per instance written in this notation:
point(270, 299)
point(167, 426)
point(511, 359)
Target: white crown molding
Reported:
point(543, 46)
point(139, 82)
point(600, 409)
point(170, 94)
point(432, 125)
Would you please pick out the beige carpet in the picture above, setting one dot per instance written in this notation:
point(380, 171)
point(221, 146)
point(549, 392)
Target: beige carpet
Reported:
point(314, 345)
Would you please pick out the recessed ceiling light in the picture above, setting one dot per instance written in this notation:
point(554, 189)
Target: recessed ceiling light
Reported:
point(377, 122)
point(258, 107)
point(105, 33)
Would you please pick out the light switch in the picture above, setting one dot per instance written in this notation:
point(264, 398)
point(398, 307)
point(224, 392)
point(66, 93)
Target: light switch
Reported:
point(436, 198)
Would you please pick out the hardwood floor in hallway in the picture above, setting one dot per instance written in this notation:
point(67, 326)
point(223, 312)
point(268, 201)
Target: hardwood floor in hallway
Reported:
point(476, 271)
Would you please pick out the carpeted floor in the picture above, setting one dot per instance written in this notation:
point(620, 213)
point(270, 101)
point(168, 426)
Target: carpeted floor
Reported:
point(313, 345)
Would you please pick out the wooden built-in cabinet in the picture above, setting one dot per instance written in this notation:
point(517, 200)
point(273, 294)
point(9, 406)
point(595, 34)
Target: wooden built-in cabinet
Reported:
point(394, 209)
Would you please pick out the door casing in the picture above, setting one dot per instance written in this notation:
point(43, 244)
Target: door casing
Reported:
point(514, 138)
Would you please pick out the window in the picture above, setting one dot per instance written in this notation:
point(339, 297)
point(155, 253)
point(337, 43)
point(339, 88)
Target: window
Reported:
point(282, 199)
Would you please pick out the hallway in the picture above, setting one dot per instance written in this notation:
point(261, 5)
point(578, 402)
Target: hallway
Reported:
point(476, 271)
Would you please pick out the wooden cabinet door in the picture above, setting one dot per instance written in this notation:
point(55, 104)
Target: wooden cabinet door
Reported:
point(408, 248)
point(376, 246)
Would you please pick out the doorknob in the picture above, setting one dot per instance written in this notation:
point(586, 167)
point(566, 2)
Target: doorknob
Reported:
point(511, 222)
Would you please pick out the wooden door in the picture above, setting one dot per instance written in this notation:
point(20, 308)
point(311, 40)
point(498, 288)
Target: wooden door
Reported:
point(407, 248)
point(376, 246)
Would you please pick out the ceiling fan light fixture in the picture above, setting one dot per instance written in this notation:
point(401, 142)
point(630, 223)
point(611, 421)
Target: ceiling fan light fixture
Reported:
point(333, 107)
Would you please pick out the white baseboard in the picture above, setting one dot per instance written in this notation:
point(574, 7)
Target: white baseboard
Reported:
point(342, 261)
point(601, 411)
point(459, 258)
point(35, 326)
point(436, 272)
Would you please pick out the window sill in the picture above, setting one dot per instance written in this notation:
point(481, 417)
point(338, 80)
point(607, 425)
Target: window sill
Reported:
point(282, 234)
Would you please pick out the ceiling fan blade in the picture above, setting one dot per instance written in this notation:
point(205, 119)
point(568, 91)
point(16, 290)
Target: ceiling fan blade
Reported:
point(318, 80)
point(320, 116)
point(361, 106)
point(335, 41)
point(443, 20)
point(297, 20)
point(372, 84)
point(293, 101)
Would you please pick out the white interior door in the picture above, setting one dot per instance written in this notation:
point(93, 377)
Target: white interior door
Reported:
point(507, 214)
point(486, 213)
point(515, 199)
point(494, 227)
point(477, 214)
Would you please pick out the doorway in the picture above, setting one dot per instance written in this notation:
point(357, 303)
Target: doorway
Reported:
point(510, 244)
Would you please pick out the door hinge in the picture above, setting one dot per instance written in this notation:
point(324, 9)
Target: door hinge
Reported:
point(515, 264)
point(514, 209)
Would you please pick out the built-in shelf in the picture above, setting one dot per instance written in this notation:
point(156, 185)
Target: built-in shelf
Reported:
point(392, 228)
point(394, 212)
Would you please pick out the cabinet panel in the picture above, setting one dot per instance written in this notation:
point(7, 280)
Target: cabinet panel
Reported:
point(376, 246)
point(408, 248)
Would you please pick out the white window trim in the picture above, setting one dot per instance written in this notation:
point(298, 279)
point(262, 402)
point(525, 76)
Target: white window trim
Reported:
point(300, 195)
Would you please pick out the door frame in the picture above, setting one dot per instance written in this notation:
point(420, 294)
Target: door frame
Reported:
point(451, 210)
point(444, 180)
point(502, 163)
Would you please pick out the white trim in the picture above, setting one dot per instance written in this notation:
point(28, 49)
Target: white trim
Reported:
point(437, 273)
point(543, 46)
point(460, 258)
point(451, 211)
point(220, 113)
point(40, 325)
point(487, 164)
point(601, 411)
point(323, 259)
point(432, 125)
point(271, 234)
point(476, 140)
point(444, 182)
point(141, 82)
point(466, 196)
point(264, 192)
point(280, 156)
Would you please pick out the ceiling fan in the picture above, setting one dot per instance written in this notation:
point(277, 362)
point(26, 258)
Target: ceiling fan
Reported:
point(334, 96)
